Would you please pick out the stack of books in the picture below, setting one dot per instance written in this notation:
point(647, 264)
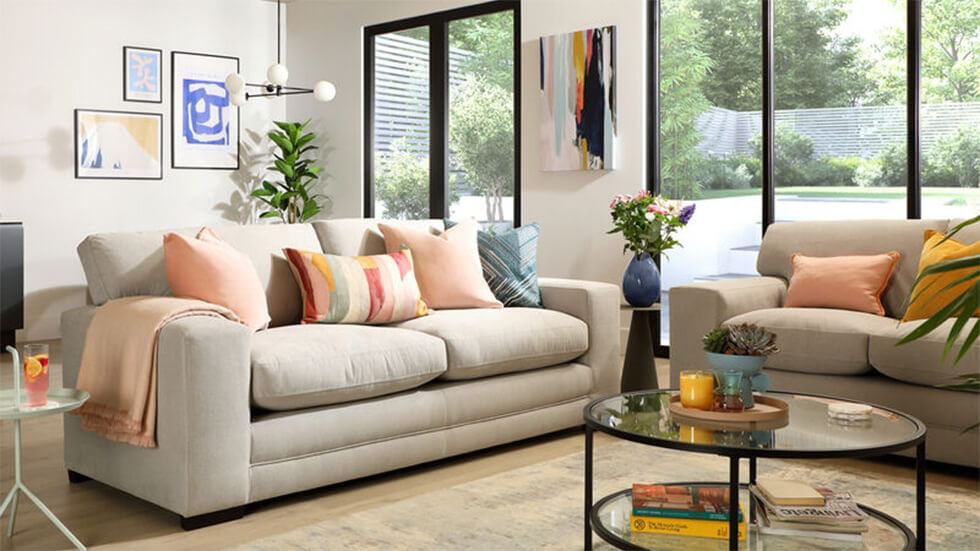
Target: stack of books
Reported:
point(792, 508)
point(697, 510)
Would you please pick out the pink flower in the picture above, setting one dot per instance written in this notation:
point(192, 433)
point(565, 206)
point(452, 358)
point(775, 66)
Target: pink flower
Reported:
point(655, 208)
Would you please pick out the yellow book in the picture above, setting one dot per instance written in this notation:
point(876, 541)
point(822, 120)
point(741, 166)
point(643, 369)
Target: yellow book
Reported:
point(717, 529)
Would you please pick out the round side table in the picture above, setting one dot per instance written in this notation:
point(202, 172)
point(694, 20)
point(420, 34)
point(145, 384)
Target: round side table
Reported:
point(60, 400)
point(639, 370)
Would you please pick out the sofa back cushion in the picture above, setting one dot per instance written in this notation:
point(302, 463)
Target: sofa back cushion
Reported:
point(127, 264)
point(851, 237)
point(361, 236)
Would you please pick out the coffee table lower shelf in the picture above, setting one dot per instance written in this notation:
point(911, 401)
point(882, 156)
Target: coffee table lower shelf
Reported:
point(610, 519)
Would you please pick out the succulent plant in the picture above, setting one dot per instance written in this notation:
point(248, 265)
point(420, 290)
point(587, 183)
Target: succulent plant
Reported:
point(748, 339)
point(716, 340)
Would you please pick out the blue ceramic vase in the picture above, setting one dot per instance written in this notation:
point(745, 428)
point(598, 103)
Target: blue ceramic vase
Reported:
point(641, 281)
point(751, 368)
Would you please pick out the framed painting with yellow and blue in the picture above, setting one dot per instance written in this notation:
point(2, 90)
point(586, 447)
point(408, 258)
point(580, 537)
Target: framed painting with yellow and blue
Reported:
point(577, 77)
point(121, 145)
point(204, 123)
point(142, 69)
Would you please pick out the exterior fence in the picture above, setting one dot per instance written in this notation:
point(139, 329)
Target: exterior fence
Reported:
point(837, 131)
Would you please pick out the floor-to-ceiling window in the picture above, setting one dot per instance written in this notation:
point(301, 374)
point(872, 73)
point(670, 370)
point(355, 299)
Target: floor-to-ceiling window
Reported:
point(842, 139)
point(709, 123)
point(441, 92)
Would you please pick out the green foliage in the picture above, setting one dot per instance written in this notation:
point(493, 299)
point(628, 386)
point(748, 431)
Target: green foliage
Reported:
point(292, 198)
point(683, 68)
point(481, 134)
point(490, 38)
point(954, 161)
point(962, 307)
point(793, 156)
point(833, 171)
point(402, 183)
point(716, 340)
point(814, 66)
point(725, 173)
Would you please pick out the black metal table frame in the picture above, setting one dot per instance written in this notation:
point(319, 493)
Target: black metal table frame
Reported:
point(916, 541)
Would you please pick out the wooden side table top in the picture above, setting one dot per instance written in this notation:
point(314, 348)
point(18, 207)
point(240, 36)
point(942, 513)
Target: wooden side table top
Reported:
point(655, 307)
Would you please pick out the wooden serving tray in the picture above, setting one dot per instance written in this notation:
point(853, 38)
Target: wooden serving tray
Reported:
point(766, 409)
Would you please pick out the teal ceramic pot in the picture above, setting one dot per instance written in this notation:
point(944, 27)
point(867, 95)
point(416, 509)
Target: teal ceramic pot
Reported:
point(749, 366)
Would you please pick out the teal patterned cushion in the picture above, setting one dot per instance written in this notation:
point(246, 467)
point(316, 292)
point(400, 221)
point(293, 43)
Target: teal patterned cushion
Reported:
point(510, 264)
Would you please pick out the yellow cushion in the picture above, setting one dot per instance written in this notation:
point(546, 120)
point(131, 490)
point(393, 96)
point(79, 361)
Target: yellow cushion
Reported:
point(935, 298)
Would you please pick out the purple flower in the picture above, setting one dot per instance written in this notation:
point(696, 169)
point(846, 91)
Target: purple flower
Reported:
point(686, 213)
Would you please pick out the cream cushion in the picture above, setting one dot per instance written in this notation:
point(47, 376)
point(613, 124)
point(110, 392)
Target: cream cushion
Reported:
point(361, 236)
point(483, 342)
point(920, 361)
point(818, 340)
point(303, 366)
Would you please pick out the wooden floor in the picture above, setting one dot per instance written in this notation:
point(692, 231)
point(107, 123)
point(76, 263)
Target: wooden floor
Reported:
point(106, 518)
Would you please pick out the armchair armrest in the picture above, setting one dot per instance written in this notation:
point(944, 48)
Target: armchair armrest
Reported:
point(597, 304)
point(201, 461)
point(698, 308)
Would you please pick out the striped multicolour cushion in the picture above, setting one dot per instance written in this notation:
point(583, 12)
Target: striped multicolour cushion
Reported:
point(357, 289)
point(510, 264)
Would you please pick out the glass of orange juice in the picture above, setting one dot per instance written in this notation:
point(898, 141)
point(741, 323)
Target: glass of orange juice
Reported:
point(697, 389)
point(36, 374)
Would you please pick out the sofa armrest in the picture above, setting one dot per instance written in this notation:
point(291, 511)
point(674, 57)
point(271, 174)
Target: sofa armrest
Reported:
point(201, 461)
point(698, 308)
point(597, 304)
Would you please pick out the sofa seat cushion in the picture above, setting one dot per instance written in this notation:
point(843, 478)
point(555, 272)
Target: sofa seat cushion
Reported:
point(920, 361)
point(490, 341)
point(818, 340)
point(299, 366)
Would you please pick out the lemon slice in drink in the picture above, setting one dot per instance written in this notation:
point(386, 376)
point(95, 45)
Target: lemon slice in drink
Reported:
point(32, 368)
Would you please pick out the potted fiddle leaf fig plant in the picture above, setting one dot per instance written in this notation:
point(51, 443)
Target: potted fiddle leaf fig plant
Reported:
point(742, 347)
point(291, 196)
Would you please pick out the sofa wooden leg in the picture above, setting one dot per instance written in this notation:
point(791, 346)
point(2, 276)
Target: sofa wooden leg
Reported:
point(209, 519)
point(77, 478)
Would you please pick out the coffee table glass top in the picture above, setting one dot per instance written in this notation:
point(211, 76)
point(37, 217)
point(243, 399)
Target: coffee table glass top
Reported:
point(645, 417)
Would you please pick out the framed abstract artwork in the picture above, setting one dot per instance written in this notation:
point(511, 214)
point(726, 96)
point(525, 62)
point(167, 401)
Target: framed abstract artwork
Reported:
point(118, 145)
point(204, 123)
point(142, 69)
point(578, 100)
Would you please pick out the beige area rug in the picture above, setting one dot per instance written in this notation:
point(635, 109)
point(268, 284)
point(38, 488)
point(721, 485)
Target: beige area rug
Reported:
point(540, 506)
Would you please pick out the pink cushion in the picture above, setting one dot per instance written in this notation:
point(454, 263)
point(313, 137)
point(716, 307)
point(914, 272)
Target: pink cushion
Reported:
point(844, 282)
point(447, 266)
point(208, 269)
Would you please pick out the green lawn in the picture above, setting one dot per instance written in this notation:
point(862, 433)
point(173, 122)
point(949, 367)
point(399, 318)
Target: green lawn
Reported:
point(970, 194)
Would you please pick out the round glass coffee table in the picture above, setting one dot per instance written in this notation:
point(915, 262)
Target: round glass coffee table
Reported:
point(809, 433)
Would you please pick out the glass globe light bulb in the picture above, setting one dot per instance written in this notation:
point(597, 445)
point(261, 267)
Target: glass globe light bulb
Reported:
point(277, 74)
point(324, 91)
point(238, 98)
point(234, 83)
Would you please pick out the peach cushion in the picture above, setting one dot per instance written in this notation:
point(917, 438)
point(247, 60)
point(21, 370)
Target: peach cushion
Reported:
point(447, 266)
point(208, 269)
point(844, 282)
point(931, 294)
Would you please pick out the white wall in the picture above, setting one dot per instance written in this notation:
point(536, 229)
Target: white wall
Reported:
point(572, 207)
point(58, 55)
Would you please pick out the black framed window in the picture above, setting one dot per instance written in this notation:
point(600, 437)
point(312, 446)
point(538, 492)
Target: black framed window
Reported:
point(442, 115)
point(769, 111)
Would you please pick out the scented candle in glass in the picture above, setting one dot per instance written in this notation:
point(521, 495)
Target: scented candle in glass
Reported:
point(697, 389)
point(35, 372)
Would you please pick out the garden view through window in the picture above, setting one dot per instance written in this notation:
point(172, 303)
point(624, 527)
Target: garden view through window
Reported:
point(480, 178)
point(840, 108)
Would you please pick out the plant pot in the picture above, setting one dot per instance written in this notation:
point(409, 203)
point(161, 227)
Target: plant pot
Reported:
point(641, 281)
point(749, 366)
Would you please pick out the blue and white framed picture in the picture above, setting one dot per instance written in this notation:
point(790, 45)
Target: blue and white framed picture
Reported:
point(118, 145)
point(142, 68)
point(204, 124)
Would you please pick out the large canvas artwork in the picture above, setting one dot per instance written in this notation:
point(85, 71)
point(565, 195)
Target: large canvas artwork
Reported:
point(205, 125)
point(578, 100)
point(118, 144)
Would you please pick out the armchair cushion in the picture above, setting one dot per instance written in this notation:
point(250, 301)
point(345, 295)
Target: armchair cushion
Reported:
point(920, 361)
point(818, 340)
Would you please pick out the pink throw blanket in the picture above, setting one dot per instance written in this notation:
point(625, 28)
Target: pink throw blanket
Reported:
point(119, 364)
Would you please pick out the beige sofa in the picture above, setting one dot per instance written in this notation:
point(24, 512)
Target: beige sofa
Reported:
point(838, 352)
point(246, 417)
